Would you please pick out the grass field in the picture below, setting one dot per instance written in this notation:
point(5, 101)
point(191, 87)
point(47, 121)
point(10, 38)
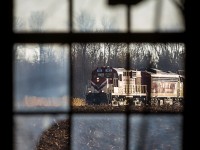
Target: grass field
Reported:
point(80, 105)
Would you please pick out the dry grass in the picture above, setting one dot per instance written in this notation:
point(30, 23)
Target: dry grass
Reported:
point(78, 102)
point(33, 101)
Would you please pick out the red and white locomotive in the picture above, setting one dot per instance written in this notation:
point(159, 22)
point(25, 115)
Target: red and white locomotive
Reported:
point(119, 86)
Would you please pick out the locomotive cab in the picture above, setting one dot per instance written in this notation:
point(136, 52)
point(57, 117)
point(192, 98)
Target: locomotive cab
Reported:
point(100, 86)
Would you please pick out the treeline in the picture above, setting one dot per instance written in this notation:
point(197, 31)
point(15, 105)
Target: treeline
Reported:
point(47, 72)
point(43, 72)
point(86, 57)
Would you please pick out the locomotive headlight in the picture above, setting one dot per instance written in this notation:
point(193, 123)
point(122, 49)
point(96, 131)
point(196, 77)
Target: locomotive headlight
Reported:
point(89, 91)
point(102, 91)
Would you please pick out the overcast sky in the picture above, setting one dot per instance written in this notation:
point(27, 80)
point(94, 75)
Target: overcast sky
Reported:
point(56, 15)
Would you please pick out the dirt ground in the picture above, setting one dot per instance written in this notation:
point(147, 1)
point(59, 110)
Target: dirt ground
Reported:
point(56, 137)
point(141, 109)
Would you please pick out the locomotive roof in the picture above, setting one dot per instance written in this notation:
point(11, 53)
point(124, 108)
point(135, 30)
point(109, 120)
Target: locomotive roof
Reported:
point(123, 69)
point(160, 73)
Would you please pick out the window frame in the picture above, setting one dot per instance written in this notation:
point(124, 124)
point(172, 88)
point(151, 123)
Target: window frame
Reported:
point(186, 37)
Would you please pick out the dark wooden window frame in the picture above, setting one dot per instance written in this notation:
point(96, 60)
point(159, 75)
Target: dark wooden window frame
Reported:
point(10, 38)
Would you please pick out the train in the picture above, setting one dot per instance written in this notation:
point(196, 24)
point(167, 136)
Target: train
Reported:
point(120, 86)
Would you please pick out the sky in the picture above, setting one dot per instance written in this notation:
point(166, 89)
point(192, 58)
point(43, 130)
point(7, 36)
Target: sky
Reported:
point(54, 11)
point(57, 17)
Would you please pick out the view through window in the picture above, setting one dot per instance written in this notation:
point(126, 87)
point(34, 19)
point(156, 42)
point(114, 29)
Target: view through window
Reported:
point(98, 75)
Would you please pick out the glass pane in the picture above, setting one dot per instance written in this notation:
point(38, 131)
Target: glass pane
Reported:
point(158, 15)
point(99, 132)
point(97, 16)
point(41, 132)
point(41, 77)
point(41, 16)
point(156, 132)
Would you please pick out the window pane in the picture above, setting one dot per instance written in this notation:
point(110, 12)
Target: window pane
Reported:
point(41, 77)
point(161, 16)
point(156, 132)
point(100, 132)
point(97, 16)
point(40, 132)
point(41, 16)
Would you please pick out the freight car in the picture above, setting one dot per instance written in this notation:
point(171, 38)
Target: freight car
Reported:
point(119, 86)
point(163, 87)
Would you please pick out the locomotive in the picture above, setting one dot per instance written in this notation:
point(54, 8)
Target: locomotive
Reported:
point(119, 86)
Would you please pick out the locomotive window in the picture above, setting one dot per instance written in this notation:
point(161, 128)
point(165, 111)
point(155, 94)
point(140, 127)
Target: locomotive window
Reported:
point(131, 74)
point(115, 82)
point(120, 77)
point(108, 75)
point(100, 74)
point(134, 74)
point(108, 70)
point(125, 73)
point(99, 70)
point(115, 75)
point(145, 25)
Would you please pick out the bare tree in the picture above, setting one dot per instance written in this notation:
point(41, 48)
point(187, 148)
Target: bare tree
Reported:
point(19, 24)
point(36, 21)
point(84, 22)
point(108, 24)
